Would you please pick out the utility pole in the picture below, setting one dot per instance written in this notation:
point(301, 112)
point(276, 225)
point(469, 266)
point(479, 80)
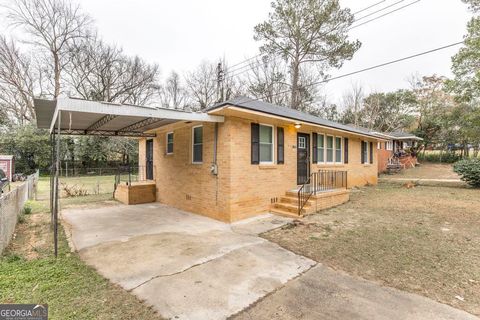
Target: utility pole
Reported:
point(220, 82)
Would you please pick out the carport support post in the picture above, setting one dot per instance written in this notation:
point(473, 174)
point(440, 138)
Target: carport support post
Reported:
point(52, 172)
point(57, 169)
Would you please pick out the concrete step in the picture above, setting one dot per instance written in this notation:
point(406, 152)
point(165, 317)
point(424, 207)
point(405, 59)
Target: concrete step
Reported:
point(286, 214)
point(289, 199)
point(293, 208)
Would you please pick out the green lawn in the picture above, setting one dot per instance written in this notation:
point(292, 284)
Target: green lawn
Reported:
point(93, 185)
point(29, 273)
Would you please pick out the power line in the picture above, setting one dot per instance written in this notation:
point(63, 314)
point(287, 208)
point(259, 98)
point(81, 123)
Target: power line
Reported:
point(369, 7)
point(383, 15)
point(365, 69)
point(232, 74)
point(360, 11)
point(379, 10)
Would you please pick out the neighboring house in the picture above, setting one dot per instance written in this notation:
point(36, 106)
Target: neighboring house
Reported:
point(398, 152)
point(256, 160)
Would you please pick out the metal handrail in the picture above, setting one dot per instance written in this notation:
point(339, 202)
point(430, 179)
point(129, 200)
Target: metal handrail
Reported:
point(320, 181)
point(129, 174)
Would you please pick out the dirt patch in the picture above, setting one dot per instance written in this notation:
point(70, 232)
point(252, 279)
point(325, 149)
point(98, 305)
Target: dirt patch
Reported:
point(428, 171)
point(424, 240)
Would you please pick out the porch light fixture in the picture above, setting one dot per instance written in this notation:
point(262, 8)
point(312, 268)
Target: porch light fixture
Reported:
point(298, 125)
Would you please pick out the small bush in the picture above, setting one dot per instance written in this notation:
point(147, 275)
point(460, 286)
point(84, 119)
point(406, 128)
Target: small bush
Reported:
point(27, 209)
point(469, 170)
point(449, 157)
point(74, 190)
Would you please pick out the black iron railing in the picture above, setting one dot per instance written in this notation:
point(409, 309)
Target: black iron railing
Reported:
point(129, 174)
point(320, 181)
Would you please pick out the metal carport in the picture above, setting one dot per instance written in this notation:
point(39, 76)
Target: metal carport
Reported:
point(73, 116)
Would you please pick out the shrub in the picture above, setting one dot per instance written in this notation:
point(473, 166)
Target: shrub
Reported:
point(27, 209)
point(449, 157)
point(469, 170)
point(74, 190)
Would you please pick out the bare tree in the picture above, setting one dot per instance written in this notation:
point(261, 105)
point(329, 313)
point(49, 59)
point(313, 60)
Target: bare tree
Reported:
point(172, 94)
point(352, 101)
point(52, 25)
point(102, 72)
point(18, 79)
point(202, 85)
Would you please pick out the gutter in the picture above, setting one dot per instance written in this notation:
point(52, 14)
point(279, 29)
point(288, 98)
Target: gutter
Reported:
point(235, 107)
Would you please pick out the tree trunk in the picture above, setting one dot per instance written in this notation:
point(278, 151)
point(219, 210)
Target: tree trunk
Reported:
point(295, 78)
point(56, 74)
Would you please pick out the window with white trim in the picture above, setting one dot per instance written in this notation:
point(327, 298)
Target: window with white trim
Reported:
point(320, 148)
point(197, 144)
point(338, 149)
point(169, 143)
point(266, 144)
point(379, 145)
point(389, 145)
point(365, 152)
point(329, 149)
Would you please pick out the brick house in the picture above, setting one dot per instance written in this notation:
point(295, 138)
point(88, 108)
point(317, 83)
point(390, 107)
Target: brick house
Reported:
point(235, 160)
point(256, 160)
point(398, 151)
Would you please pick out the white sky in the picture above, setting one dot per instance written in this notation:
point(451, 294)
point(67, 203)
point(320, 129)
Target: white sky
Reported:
point(180, 34)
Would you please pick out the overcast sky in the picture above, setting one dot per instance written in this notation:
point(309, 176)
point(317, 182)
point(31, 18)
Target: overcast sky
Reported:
point(179, 34)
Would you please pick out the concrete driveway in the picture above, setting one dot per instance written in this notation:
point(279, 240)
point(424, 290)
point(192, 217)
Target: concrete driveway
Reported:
point(185, 265)
point(191, 267)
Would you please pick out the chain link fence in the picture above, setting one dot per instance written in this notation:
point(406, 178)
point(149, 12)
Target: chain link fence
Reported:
point(11, 206)
point(86, 181)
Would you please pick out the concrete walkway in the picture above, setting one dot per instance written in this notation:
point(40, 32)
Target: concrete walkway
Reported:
point(324, 293)
point(191, 267)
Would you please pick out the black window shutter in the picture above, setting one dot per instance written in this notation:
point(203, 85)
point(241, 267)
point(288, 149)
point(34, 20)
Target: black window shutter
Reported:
point(315, 147)
point(363, 151)
point(386, 145)
point(345, 150)
point(280, 146)
point(255, 143)
point(371, 152)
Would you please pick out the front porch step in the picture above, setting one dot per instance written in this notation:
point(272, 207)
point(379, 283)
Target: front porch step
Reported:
point(293, 208)
point(289, 199)
point(285, 213)
point(288, 204)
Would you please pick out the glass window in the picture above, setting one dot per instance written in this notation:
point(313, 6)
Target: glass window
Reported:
point(321, 148)
point(338, 149)
point(365, 151)
point(170, 143)
point(266, 144)
point(379, 145)
point(389, 145)
point(329, 149)
point(197, 145)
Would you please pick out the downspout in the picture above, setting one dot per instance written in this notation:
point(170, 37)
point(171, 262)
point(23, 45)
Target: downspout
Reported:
point(214, 168)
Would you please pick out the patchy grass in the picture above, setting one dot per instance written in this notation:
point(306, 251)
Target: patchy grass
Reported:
point(30, 274)
point(424, 240)
point(94, 185)
point(429, 171)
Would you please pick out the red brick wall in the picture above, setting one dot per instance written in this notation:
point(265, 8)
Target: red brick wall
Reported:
point(383, 156)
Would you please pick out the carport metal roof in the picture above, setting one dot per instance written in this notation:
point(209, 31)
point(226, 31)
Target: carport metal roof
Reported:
point(84, 117)
point(73, 116)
